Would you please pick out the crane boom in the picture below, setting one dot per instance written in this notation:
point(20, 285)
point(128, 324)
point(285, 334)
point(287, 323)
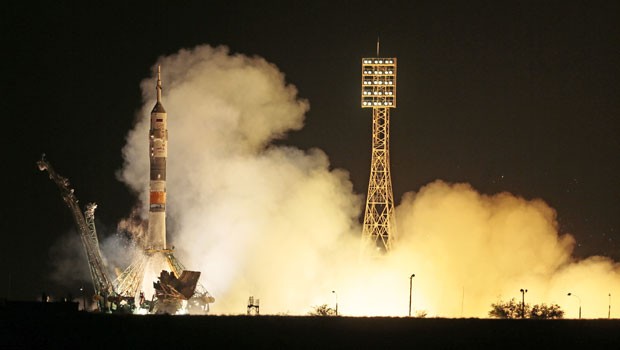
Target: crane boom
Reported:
point(86, 228)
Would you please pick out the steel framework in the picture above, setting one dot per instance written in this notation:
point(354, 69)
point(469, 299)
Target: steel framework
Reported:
point(201, 298)
point(379, 93)
point(129, 282)
point(86, 226)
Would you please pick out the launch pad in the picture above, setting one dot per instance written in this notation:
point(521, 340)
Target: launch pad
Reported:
point(177, 290)
point(124, 294)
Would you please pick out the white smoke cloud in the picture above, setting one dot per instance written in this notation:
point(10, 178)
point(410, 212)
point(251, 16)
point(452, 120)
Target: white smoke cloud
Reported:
point(471, 250)
point(254, 218)
point(277, 223)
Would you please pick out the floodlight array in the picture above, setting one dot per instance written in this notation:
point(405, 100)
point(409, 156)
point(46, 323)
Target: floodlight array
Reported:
point(379, 82)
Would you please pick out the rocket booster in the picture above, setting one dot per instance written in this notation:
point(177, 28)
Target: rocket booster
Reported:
point(158, 142)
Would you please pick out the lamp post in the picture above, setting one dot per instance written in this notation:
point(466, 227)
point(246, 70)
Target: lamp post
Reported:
point(410, 287)
point(83, 299)
point(523, 291)
point(578, 298)
point(336, 294)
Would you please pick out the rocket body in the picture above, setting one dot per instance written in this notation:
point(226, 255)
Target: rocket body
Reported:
point(158, 142)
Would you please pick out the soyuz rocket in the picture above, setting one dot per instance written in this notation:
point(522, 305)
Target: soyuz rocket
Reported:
point(158, 142)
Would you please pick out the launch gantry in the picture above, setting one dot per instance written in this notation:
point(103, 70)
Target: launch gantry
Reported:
point(86, 226)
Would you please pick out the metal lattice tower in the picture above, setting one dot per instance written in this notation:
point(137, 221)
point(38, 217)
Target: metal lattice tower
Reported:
point(86, 226)
point(253, 306)
point(379, 93)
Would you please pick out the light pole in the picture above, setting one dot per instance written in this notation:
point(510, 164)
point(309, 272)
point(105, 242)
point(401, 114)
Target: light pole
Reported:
point(83, 299)
point(523, 291)
point(410, 286)
point(609, 307)
point(578, 298)
point(336, 294)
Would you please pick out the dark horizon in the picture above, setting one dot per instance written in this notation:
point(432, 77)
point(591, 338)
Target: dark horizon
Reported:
point(55, 329)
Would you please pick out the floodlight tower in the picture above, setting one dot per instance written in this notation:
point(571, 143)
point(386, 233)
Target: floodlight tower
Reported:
point(379, 93)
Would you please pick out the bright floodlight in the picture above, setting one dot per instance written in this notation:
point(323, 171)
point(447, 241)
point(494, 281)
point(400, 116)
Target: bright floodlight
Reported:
point(378, 82)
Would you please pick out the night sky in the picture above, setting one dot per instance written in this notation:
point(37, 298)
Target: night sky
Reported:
point(516, 96)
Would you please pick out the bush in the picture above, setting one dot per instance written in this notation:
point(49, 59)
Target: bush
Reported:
point(543, 311)
point(322, 310)
point(514, 309)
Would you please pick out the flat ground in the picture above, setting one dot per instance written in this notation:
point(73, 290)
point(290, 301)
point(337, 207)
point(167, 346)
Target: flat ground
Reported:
point(69, 328)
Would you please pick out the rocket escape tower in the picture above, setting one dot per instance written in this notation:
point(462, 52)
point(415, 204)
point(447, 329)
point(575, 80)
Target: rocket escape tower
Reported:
point(379, 93)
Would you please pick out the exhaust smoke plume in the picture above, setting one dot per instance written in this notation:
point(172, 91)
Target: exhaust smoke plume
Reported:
point(278, 224)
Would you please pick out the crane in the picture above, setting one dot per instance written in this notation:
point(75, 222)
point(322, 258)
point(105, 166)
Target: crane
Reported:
point(86, 227)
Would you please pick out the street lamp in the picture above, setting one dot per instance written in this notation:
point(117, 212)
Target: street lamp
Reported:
point(410, 285)
point(336, 294)
point(83, 299)
point(523, 291)
point(578, 298)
